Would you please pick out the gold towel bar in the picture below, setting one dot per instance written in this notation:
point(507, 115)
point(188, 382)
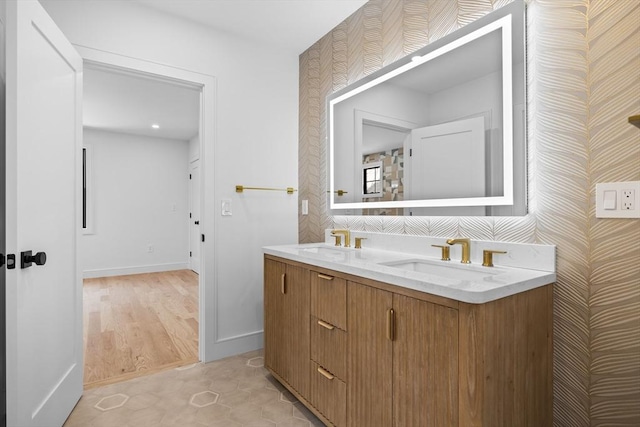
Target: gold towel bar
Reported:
point(241, 188)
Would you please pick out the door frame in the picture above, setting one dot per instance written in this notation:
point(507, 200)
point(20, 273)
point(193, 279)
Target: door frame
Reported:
point(207, 281)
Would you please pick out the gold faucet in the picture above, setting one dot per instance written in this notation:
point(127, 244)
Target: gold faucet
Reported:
point(347, 236)
point(466, 248)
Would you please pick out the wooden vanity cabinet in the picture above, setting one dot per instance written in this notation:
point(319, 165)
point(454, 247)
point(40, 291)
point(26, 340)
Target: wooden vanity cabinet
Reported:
point(329, 346)
point(403, 360)
point(286, 323)
point(358, 352)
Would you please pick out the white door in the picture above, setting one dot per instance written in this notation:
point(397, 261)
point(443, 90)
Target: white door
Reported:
point(430, 161)
point(194, 224)
point(43, 214)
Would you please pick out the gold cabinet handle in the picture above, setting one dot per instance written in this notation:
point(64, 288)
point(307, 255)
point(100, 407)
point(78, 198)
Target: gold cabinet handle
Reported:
point(283, 284)
point(325, 373)
point(326, 325)
point(391, 324)
point(325, 277)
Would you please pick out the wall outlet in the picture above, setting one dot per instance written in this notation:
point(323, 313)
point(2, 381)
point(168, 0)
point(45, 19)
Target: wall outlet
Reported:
point(618, 199)
point(628, 199)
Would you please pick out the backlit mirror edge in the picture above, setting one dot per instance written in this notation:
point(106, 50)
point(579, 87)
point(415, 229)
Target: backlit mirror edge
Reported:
point(500, 19)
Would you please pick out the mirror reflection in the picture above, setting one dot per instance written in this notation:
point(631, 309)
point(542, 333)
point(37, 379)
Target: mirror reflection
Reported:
point(442, 133)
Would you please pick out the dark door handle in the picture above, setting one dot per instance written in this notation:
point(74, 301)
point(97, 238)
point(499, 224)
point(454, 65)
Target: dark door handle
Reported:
point(27, 258)
point(197, 222)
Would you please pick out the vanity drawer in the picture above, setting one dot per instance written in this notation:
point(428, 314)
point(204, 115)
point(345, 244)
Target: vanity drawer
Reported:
point(329, 395)
point(329, 299)
point(329, 347)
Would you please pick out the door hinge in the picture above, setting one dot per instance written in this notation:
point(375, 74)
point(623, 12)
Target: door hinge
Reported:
point(189, 214)
point(190, 255)
point(189, 176)
point(202, 237)
point(1, 260)
point(410, 152)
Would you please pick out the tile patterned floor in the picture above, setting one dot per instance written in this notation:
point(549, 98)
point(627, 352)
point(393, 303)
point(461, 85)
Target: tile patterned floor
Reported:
point(233, 392)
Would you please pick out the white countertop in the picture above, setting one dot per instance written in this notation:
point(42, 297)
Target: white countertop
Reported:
point(493, 282)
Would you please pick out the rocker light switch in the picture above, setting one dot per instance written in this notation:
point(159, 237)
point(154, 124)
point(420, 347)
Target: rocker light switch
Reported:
point(609, 202)
point(226, 208)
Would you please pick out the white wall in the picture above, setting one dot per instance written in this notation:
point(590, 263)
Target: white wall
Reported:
point(140, 198)
point(194, 148)
point(256, 144)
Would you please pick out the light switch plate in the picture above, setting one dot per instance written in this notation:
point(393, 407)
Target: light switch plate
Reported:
point(626, 203)
point(226, 207)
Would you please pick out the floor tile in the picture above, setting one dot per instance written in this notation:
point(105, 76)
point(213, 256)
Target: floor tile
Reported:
point(233, 392)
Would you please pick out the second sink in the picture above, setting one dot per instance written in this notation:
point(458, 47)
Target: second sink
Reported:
point(438, 268)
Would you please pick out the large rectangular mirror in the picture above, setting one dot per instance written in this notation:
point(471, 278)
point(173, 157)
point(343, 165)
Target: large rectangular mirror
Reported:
point(441, 132)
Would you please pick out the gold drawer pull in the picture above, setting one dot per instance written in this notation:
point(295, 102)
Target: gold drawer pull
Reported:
point(391, 324)
point(325, 277)
point(324, 324)
point(283, 284)
point(325, 373)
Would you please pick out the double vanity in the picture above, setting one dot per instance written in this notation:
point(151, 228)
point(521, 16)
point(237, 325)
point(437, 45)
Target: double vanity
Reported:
point(393, 334)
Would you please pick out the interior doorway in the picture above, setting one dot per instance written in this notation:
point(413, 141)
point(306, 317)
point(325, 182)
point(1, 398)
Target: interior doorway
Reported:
point(129, 310)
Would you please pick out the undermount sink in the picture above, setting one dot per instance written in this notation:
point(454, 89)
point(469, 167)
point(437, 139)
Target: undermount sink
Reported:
point(455, 271)
point(332, 253)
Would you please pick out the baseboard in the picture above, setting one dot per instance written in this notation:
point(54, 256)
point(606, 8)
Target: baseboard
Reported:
point(234, 345)
point(123, 271)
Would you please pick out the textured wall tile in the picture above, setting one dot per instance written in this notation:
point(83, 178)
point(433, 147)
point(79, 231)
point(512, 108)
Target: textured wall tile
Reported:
point(583, 81)
point(392, 31)
point(442, 18)
point(415, 26)
point(614, 303)
point(417, 226)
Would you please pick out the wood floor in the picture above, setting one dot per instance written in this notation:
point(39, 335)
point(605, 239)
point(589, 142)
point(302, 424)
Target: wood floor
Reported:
point(139, 324)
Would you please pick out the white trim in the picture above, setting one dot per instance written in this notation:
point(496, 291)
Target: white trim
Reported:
point(208, 323)
point(123, 271)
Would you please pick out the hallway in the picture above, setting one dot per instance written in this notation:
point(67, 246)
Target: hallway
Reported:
point(138, 325)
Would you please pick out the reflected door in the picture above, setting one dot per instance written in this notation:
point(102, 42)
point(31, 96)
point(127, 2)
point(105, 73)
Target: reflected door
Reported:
point(432, 173)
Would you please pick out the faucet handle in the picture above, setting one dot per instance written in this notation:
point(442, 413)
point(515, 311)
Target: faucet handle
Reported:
point(338, 239)
point(359, 242)
point(445, 252)
point(487, 257)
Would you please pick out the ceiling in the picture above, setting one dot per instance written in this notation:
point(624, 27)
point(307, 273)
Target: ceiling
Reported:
point(131, 104)
point(292, 25)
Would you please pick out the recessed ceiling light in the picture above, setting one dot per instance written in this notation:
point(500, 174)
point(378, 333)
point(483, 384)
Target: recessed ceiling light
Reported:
point(155, 126)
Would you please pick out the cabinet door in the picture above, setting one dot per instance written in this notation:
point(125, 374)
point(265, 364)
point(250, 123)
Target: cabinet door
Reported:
point(369, 381)
point(425, 364)
point(274, 317)
point(286, 323)
point(297, 296)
